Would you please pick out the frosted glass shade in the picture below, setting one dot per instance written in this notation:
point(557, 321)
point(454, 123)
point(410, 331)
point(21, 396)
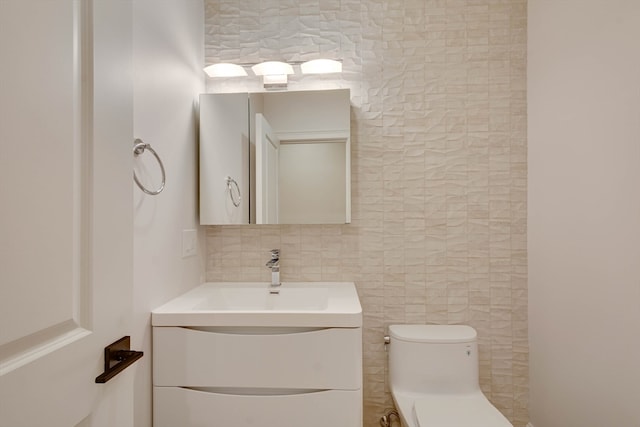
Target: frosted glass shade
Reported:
point(272, 68)
point(224, 69)
point(321, 66)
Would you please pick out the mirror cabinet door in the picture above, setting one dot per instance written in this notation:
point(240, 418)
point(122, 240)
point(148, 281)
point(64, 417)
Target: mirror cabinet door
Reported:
point(288, 153)
point(224, 155)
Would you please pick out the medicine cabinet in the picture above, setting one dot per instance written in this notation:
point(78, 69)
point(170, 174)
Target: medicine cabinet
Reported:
point(275, 158)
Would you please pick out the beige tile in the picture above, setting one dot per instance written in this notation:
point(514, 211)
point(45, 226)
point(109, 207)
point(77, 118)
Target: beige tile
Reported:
point(439, 173)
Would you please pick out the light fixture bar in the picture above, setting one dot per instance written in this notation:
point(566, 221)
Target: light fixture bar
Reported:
point(274, 73)
point(276, 81)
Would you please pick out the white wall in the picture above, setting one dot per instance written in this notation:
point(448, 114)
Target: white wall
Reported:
point(168, 61)
point(584, 212)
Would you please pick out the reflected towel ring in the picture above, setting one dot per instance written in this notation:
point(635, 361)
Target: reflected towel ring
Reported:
point(233, 200)
point(138, 148)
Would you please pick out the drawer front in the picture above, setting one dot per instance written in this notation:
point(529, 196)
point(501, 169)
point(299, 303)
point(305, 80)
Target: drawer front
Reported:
point(320, 359)
point(180, 407)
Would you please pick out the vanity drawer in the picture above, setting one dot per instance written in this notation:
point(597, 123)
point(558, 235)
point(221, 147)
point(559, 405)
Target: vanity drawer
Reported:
point(317, 359)
point(175, 406)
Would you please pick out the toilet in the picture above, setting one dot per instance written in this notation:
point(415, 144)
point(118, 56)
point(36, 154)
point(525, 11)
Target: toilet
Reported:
point(433, 372)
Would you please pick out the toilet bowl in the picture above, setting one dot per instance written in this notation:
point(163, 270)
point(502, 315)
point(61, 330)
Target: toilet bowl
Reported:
point(433, 372)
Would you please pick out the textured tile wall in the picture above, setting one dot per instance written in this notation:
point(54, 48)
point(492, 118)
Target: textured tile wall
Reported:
point(439, 170)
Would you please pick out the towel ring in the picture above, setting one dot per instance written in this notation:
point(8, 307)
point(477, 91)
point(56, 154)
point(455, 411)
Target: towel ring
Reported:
point(233, 200)
point(138, 148)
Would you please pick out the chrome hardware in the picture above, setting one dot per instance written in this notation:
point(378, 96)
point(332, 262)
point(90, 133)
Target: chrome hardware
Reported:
point(230, 189)
point(386, 420)
point(274, 265)
point(275, 257)
point(138, 148)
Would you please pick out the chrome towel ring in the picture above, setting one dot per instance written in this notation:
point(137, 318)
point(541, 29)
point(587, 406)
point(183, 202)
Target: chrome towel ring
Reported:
point(138, 148)
point(233, 200)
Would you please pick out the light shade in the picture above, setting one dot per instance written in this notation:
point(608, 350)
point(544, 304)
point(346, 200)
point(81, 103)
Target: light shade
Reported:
point(321, 66)
point(272, 68)
point(224, 69)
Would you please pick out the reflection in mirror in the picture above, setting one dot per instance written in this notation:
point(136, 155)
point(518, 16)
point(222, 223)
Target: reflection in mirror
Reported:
point(289, 153)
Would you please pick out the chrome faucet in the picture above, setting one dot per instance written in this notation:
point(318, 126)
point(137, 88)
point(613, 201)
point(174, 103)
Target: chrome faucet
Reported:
point(274, 265)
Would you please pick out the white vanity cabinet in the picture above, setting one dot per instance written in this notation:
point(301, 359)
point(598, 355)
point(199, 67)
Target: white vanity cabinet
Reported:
point(272, 375)
point(284, 377)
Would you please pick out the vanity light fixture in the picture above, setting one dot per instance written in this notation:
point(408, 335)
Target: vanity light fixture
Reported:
point(274, 73)
point(225, 69)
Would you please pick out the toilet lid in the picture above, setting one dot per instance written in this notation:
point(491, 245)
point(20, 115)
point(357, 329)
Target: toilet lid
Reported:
point(458, 411)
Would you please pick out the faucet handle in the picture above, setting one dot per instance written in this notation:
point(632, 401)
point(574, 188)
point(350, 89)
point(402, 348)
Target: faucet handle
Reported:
point(275, 253)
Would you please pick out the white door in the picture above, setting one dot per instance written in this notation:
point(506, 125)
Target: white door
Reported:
point(267, 172)
point(65, 210)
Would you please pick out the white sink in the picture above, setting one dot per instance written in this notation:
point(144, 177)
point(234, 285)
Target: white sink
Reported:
point(246, 296)
point(298, 304)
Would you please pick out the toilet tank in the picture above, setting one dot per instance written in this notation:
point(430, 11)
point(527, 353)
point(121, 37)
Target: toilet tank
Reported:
point(439, 359)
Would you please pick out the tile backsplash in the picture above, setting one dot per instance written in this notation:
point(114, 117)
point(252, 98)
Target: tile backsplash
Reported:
point(439, 170)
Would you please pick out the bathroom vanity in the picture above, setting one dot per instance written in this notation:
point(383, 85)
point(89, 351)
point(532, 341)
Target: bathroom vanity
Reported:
point(234, 354)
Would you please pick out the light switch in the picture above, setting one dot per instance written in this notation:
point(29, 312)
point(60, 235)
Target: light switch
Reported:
point(189, 243)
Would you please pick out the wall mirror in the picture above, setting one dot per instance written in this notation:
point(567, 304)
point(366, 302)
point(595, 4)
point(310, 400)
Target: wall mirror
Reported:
point(275, 158)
